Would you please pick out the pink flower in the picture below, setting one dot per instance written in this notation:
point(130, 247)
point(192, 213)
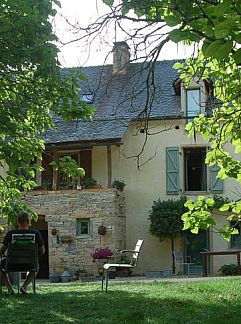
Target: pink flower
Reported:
point(102, 253)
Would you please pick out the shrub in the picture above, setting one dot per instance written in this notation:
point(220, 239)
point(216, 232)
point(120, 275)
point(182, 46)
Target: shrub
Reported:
point(229, 269)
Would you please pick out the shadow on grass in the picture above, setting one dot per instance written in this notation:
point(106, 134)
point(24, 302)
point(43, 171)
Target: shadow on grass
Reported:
point(124, 303)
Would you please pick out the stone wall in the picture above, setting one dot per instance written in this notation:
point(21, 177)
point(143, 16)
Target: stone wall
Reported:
point(62, 209)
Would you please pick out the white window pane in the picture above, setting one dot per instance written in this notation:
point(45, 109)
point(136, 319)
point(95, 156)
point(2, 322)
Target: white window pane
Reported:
point(193, 103)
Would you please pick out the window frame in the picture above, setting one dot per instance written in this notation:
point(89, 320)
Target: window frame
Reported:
point(193, 192)
point(189, 98)
point(175, 172)
point(78, 227)
point(195, 84)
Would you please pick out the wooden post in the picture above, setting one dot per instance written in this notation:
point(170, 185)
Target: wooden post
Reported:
point(55, 173)
point(109, 166)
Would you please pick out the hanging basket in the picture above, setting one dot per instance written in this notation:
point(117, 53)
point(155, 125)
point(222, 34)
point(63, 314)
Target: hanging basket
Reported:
point(101, 230)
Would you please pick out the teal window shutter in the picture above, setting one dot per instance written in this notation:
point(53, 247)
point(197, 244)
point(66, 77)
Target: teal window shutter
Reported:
point(216, 183)
point(172, 170)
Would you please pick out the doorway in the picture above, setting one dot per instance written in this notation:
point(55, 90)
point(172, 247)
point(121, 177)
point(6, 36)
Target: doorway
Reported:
point(193, 245)
point(42, 226)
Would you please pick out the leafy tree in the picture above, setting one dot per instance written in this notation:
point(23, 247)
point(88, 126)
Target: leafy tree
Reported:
point(213, 28)
point(70, 169)
point(32, 91)
point(166, 223)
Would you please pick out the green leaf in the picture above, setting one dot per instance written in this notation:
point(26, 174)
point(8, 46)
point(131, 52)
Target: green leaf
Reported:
point(189, 204)
point(225, 207)
point(234, 231)
point(108, 2)
point(222, 29)
point(189, 126)
point(210, 202)
point(195, 230)
point(222, 8)
point(237, 59)
point(172, 20)
point(219, 49)
point(176, 35)
point(211, 222)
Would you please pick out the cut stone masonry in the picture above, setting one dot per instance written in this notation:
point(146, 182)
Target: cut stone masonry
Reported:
point(62, 209)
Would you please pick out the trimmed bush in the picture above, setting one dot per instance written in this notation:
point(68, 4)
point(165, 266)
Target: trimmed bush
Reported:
point(229, 270)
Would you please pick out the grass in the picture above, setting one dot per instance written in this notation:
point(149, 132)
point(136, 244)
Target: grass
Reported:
point(217, 301)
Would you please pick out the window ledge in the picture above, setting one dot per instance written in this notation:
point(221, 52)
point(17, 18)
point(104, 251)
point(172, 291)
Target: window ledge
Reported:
point(83, 236)
point(196, 193)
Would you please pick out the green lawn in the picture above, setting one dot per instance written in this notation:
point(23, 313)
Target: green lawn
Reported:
point(217, 301)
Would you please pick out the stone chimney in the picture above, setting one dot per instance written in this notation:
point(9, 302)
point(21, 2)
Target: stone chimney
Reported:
point(121, 58)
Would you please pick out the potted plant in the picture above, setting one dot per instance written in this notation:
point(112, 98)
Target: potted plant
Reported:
point(118, 184)
point(122, 271)
point(100, 256)
point(101, 253)
point(91, 183)
point(81, 273)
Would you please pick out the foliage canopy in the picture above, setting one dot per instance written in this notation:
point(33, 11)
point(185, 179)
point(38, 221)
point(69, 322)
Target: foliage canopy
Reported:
point(165, 218)
point(32, 91)
point(165, 221)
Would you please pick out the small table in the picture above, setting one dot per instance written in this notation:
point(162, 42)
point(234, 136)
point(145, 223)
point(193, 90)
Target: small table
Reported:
point(208, 253)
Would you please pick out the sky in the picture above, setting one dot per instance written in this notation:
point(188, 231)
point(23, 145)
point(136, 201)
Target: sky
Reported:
point(79, 53)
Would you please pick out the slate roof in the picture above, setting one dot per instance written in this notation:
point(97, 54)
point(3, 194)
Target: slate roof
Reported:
point(118, 99)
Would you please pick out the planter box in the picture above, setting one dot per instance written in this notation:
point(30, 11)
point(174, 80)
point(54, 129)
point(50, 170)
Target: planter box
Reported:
point(154, 274)
point(66, 239)
point(158, 274)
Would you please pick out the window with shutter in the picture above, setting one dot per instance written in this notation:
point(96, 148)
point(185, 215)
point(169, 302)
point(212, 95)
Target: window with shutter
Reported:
point(195, 170)
point(172, 170)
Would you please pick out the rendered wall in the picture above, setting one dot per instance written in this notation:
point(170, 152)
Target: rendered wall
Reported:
point(149, 183)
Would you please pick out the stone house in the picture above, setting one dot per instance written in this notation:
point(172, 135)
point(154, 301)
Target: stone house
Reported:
point(172, 164)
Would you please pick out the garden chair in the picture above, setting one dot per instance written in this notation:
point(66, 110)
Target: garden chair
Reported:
point(110, 266)
point(22, 256)
point(180, 260)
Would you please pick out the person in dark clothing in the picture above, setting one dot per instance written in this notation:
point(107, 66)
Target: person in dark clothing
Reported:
point(24, 223)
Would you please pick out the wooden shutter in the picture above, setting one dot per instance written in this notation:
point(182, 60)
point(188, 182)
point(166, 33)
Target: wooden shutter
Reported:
point(216, 183)
point(172, 170)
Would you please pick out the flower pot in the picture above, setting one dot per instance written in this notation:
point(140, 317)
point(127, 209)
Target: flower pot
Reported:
point(66, 276)
point(112, 275)
point(123, 272)
point(54, 277)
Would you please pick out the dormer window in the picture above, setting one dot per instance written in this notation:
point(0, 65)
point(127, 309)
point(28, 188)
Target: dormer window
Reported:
point(193, 103)
point(87, 98)
point(193, 97)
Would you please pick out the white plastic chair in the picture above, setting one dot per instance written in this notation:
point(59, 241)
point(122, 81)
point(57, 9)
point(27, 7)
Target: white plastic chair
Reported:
point(179, 259)
point(108, 266)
